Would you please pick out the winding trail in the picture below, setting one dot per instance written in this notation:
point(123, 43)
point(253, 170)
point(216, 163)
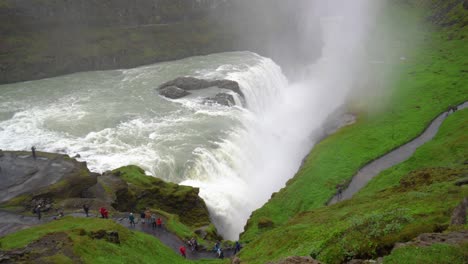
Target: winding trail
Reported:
point(11, 222)
point(400, 154)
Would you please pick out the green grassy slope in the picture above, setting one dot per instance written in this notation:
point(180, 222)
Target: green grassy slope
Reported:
point(135, 247)
point(414, 197)
point(434, 77)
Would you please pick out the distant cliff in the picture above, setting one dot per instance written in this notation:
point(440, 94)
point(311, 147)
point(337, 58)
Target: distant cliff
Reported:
point(44, 38)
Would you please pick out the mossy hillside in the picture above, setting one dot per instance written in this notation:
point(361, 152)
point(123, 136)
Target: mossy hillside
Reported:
point(433, 78)
point(149, 192)
point(134, 247)
point(417, 196)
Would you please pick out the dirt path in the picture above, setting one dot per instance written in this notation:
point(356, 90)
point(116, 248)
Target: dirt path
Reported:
point(402, 153)
point(11, 222)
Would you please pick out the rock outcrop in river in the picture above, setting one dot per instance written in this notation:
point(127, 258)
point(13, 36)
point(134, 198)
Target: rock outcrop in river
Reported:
point(181, 86)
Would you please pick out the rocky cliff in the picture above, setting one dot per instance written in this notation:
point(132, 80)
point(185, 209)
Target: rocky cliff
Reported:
point(45, 38)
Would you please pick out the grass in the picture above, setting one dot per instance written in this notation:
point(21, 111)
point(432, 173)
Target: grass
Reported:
point(135, 247)
point(433, 78)
point(415, 197)
point(438, 253)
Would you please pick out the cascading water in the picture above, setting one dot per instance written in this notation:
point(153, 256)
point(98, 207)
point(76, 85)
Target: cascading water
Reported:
point(238, 157)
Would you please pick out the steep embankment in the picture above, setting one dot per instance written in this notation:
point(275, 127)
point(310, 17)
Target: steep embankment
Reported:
point(430, 80)
point(417, 196)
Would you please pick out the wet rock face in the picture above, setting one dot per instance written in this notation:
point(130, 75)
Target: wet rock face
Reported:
point(221, 99)
point(173, 92)
point(42, 179)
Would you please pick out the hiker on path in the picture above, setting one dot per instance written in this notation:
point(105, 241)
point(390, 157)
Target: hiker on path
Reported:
point(217, 246)
point(220, 253)
point(159, 222)
point(86, 209)
point(33, 150)
point(237, 248)
point(142, 217)
point(131, 218)
point(38, 212)
point(104, 213)
point(153, 221)
point(182, 251)
point(148, 216)
point(193, 244)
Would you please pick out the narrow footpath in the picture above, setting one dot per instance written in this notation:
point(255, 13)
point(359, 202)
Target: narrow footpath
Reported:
point(400, 154)
point(11, 222)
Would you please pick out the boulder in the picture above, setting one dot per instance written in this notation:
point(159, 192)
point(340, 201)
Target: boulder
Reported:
point(173, 92)
point(192, 83)
point(221, 99)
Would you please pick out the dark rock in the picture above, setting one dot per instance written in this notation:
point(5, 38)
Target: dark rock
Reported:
point(191, 83)
point(173, 92)
point(221, 99)
point(459, 214)
point(465, 4)
point(110, 236)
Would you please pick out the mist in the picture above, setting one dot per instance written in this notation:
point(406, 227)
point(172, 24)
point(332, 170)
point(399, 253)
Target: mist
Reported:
point(333, 68)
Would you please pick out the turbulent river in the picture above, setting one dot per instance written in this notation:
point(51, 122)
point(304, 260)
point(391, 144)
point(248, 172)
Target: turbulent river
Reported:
point(237, 156)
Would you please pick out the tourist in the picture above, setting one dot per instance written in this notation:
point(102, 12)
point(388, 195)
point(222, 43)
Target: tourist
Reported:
point(182, 251)
point(193, 244)
point(104, 212)
point(86, 209)
point(220, 253)
point(142, 217)
point(153, 221)
point(159, 222)
point(33, 150)
point(38, 212)
point(147, 216)
point(237, 248)
point(131, 218)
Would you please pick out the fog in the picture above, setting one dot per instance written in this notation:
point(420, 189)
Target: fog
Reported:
point(333, 64)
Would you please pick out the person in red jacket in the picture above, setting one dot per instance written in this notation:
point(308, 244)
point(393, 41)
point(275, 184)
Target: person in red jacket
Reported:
point(159, 222)
point(102, 210)
point(182, 251)
point(106, 213)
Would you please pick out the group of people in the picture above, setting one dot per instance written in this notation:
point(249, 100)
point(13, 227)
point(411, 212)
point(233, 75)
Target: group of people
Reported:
point(146, 217)
point(193, 244)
